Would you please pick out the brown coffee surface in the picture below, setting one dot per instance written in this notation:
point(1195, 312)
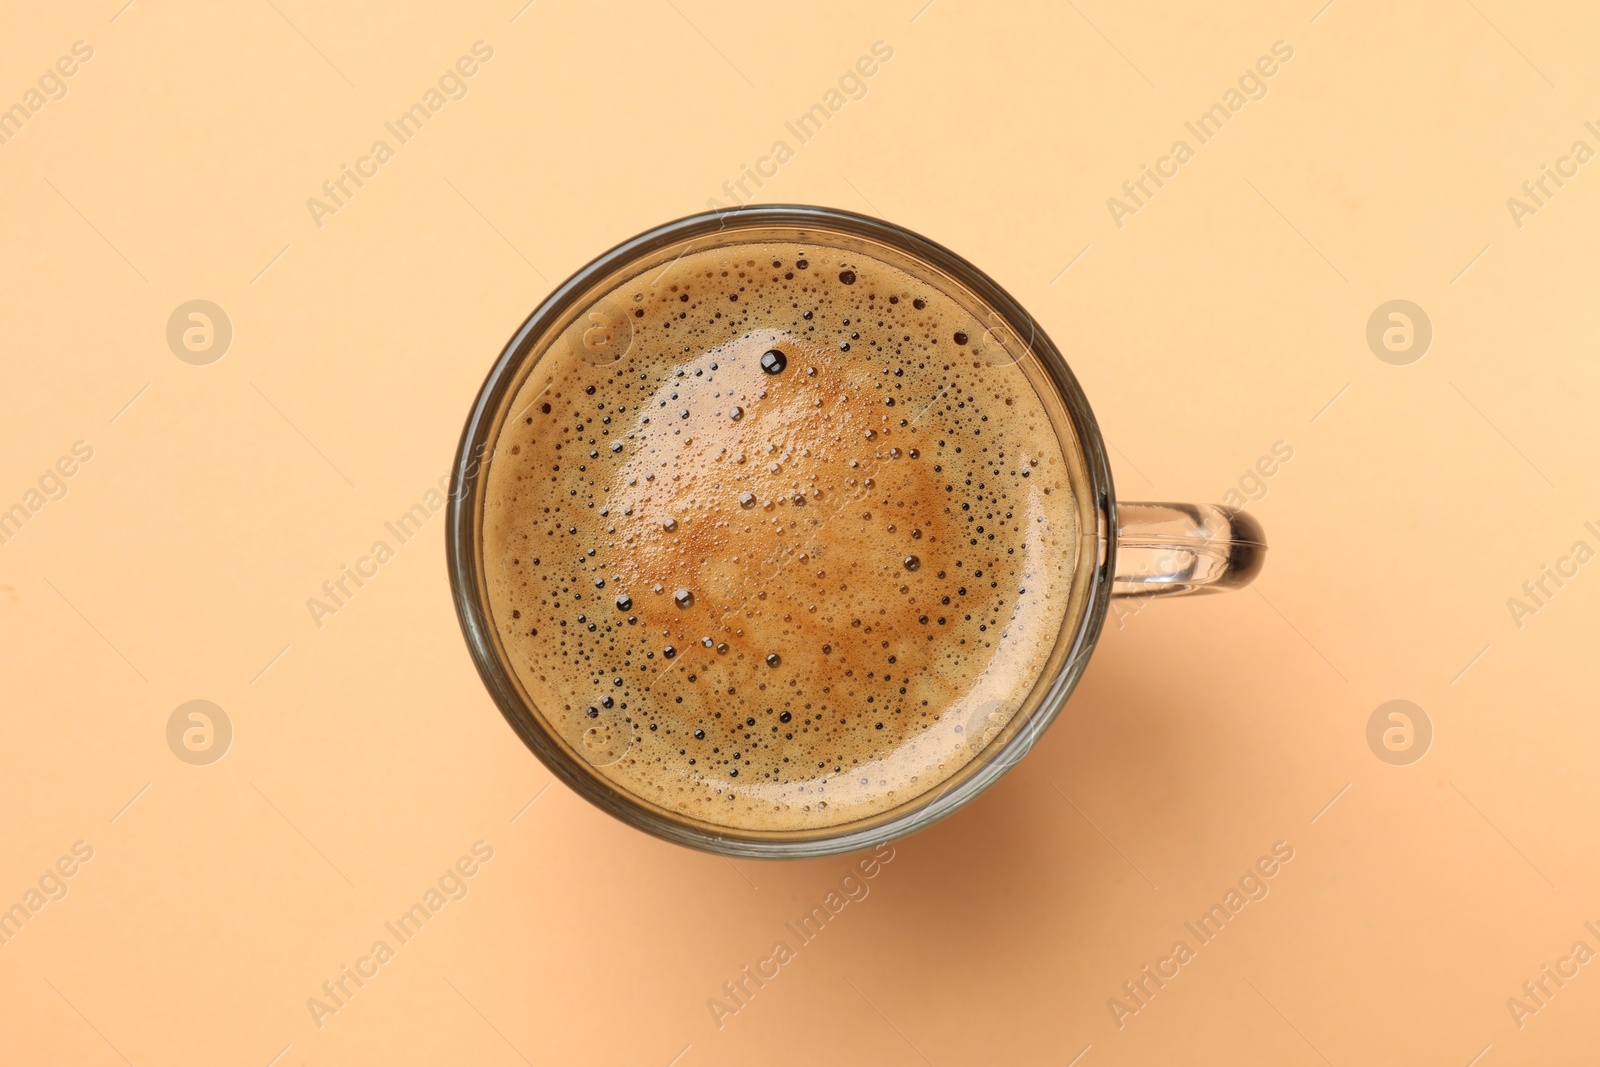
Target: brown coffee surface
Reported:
point(796, 555)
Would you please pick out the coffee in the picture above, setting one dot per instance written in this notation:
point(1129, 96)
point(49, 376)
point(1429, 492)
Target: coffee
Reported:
point(778, 535)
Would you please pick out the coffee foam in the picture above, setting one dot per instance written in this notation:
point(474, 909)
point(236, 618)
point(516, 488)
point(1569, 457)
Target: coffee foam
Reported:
point(776, 598)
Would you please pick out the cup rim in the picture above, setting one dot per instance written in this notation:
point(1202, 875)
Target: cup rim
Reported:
point(464, 515)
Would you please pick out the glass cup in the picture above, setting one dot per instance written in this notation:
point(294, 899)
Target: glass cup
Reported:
point(1125, 549)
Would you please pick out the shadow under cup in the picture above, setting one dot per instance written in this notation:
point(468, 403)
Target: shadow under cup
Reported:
point(578, 315)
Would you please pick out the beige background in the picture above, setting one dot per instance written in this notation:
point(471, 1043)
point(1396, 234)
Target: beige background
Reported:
point(1229, 313)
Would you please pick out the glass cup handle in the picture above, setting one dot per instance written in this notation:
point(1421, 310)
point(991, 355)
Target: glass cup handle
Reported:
point(1171, 549)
